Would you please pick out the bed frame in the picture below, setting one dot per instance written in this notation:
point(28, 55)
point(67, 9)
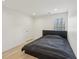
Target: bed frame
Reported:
point(53, 32)
point(48, 32)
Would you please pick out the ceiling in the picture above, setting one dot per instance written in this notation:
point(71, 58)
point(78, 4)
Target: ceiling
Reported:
point(42, 7)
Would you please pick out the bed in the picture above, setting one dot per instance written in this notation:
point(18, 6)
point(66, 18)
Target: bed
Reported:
point(52, 45)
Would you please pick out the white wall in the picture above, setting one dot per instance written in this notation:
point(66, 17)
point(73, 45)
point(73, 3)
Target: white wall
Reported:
point(47, 23)
point(72, 33)
point(17, 28)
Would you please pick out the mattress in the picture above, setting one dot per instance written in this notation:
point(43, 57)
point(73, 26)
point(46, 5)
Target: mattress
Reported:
point(53, 46)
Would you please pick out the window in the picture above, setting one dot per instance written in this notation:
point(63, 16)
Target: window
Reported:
point(59, 24)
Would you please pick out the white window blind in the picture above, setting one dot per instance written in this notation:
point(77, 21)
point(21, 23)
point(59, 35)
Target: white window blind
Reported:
point(59, 24)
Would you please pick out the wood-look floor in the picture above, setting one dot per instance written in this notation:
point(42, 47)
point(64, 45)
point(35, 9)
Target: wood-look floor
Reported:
point(16, 53)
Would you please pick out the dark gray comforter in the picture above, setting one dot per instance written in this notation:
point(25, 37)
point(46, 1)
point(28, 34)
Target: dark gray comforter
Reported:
point(52, 46)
